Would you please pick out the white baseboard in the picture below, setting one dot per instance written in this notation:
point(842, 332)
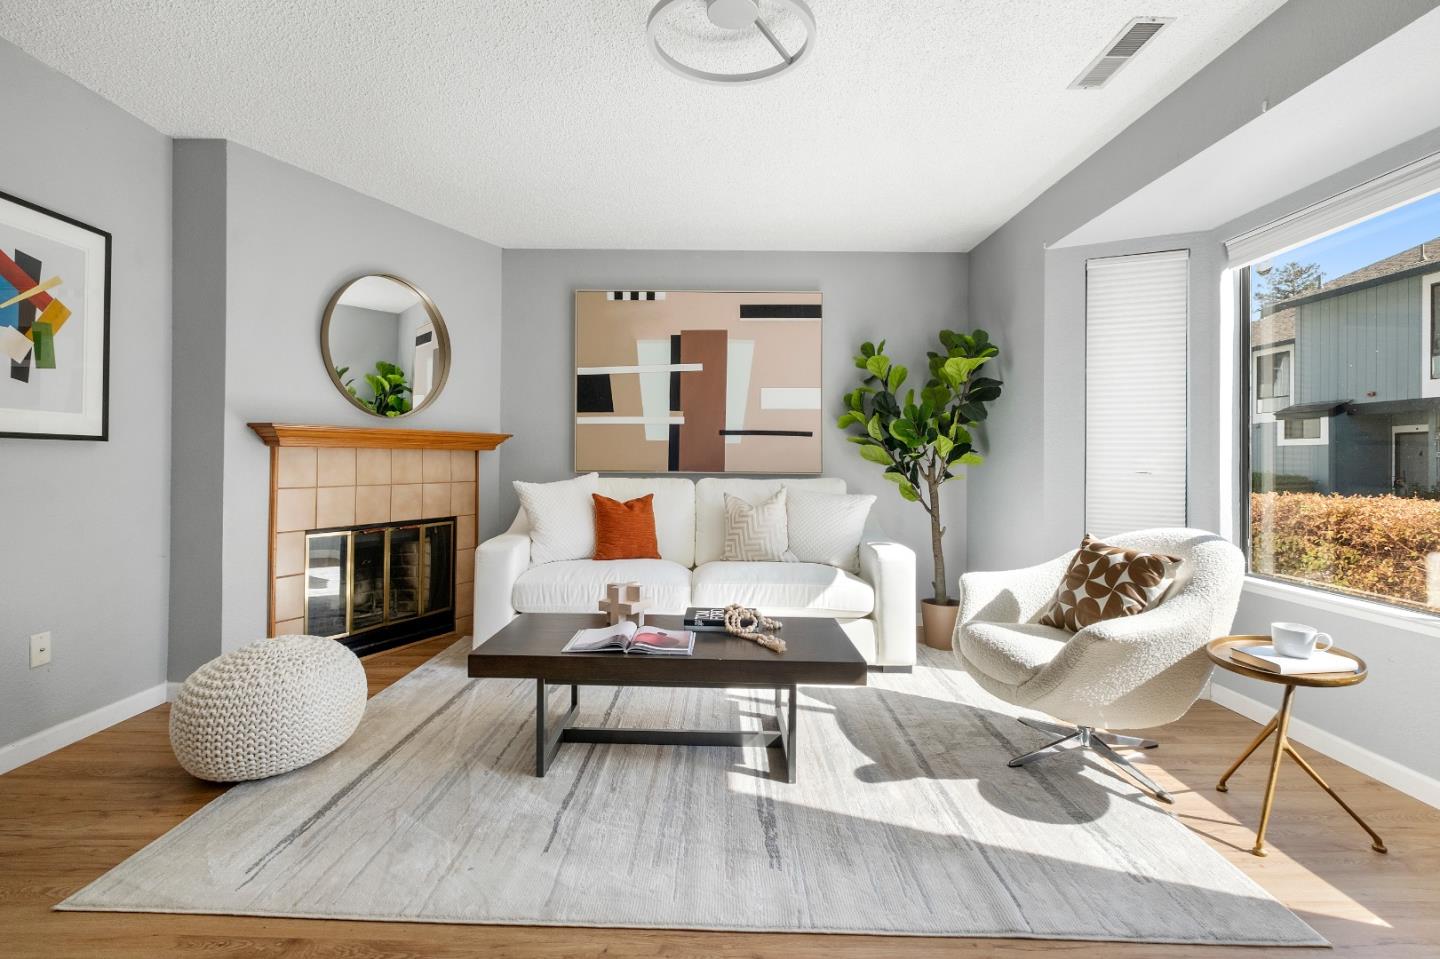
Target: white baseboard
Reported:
point(1378, 767)
point(73, 730)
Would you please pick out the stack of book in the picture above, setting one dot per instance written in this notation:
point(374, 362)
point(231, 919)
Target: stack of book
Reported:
point(1266, 658)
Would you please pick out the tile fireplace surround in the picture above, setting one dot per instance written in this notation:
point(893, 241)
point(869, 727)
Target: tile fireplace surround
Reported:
point(331, 476)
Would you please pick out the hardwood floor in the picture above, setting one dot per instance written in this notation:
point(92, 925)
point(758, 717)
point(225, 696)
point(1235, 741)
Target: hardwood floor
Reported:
point(70, 816)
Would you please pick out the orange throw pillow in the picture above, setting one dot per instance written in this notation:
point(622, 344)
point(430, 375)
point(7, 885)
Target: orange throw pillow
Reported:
point(625, 530)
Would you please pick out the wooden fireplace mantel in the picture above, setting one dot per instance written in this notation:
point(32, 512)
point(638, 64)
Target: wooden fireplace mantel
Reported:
point(279, 434)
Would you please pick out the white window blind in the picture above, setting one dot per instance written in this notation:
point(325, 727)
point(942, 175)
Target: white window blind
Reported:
point(1384, 192)
point(1135, 418)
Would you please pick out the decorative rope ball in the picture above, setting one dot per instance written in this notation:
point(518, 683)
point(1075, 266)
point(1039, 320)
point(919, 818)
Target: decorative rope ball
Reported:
point(267, 708)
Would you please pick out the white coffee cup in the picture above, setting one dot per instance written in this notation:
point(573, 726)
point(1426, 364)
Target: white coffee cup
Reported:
point(1298, 640)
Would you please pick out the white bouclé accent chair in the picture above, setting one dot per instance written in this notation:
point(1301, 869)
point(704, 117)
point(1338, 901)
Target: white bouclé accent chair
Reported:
point(267, 708)
point(1134, 672)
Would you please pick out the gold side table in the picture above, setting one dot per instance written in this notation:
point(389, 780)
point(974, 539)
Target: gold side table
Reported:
point(1219, 652)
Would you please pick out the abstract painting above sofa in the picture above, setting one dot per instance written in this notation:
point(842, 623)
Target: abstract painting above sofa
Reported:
point(697, 382)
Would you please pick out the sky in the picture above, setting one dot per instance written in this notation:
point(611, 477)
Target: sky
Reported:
point(1368, 241)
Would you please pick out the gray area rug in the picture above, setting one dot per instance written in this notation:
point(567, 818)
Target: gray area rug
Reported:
point(905, 820)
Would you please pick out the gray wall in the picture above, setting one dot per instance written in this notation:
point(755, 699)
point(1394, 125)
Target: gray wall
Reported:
point(1296, 45)
point(293, 239)
point(903, 298)
point(290, 238)
point(85, 525)
point(197, 478)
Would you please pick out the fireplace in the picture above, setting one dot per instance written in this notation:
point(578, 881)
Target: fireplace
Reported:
point(374, 587)
point(372, 532)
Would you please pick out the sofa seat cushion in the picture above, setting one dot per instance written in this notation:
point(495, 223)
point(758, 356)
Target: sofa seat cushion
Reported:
point(1010, 652)
point(784, 589)
point(577, 586)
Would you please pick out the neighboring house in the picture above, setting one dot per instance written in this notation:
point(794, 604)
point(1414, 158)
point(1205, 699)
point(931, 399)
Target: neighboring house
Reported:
point(1345, 381)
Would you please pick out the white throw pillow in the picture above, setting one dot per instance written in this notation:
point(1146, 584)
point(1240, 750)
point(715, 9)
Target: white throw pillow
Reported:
point(756, 534)
point(562, 518)
point(826, 527)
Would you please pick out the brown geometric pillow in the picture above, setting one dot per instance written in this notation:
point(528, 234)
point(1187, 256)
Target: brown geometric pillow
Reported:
point(1108, 582)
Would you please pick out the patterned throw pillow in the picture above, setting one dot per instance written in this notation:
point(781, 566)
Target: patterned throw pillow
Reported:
point(1108, 582)
point(827, 527)
point(625, 530)
point(756, 534)
point(562, 518)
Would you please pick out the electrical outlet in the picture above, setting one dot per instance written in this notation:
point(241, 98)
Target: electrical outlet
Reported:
point(39, 649)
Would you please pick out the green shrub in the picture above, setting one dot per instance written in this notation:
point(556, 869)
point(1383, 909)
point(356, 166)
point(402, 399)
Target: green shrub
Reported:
point(1368, 544)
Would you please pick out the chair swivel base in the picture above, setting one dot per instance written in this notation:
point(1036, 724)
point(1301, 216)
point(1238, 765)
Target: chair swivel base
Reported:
point(1102, 743)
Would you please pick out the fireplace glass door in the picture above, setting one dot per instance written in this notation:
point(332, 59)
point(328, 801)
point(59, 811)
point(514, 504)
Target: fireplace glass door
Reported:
point(374, 587)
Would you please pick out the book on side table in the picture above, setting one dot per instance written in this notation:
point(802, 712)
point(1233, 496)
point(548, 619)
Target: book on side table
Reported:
point(626, 637)
point(1266, 658)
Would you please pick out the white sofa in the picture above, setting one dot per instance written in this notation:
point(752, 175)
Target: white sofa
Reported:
point(876, 608)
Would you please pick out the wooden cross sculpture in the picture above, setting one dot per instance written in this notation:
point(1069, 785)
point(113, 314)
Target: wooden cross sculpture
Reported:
point(622, 601)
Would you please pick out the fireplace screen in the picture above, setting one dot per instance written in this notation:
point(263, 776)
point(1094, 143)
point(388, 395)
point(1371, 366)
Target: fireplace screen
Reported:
point(376, 586)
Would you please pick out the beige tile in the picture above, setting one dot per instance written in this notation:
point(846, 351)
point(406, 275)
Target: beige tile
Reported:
point(294, 509)
point(290, 627)
point(462, 499)
point(464, 601)
point(405, 502)
point(405, 466)
point(465, 566)
point(372, 504)
point(465, 532)
point(289, 598)
point(462, 466)
point(297, 466)
point(372, 467)
point(335, 506)
point(289, 554)
point(435, 466)
point(336, 467)
point(436, 500)
point(465, 625)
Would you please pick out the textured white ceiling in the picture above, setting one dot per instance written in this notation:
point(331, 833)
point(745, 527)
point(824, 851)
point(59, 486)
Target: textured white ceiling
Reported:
point(546, 123)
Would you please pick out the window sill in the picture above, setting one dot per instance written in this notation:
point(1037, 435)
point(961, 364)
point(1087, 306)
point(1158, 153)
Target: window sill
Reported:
point(1394, 617)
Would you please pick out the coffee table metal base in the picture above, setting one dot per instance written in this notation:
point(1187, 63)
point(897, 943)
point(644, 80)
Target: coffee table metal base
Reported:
point(548, 736)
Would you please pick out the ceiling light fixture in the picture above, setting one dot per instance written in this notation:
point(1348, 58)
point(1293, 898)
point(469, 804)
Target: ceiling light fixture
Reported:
point(735, 15)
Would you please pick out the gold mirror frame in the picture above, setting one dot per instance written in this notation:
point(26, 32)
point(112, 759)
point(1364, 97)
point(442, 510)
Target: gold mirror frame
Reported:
point(442, 339)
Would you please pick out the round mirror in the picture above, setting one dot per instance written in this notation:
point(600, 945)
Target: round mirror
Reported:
point(385, 345)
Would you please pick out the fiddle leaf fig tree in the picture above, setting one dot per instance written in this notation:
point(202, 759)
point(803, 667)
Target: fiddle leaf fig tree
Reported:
point(922, 439)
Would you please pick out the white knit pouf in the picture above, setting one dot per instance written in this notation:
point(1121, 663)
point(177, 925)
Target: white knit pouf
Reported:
point(267, 708)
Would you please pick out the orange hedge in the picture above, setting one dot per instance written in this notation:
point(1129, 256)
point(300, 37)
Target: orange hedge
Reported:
point(1373, 544)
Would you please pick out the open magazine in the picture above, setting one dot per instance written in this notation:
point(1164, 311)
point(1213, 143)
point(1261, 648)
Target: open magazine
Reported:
point(626, 637)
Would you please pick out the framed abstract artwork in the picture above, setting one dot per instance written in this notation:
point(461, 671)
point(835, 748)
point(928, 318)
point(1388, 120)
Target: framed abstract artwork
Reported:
point(54, 324)
point(673, 381)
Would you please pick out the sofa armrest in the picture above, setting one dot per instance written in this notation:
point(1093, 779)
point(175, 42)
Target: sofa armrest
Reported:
point(499, 561)
point(889, 568)
point(1010, 596)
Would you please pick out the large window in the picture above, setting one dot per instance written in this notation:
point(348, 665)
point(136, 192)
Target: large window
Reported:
point(1343, 366)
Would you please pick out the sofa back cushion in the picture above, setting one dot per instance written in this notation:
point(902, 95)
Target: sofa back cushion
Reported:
point(562, 518)
point(709, 506)
point(674, 506)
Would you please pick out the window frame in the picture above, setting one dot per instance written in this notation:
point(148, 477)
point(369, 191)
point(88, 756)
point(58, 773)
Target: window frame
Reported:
point(1322, 440)
point(1257, 416)
point(1429, 384)
point(1370, 607)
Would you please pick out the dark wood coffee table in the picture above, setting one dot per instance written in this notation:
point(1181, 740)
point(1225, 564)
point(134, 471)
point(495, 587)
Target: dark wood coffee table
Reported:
point(818, 653)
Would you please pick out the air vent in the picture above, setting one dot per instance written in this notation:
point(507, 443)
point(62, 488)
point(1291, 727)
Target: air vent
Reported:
point(1120, 51)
